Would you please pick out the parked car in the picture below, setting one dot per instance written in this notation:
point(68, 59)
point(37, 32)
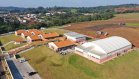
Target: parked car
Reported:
point(32, 73)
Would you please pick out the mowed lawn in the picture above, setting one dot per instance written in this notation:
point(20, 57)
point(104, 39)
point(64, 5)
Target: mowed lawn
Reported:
point(9, 38)
point(12, 46)
point(51, 65)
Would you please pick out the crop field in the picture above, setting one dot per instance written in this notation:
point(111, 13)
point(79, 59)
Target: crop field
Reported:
point(130, 31)
point(51, 65)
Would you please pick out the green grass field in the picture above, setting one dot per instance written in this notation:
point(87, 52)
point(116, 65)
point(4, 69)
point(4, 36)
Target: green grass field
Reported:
point(9, 38)
point(129, 15)
point(60, 32)
point(52, 65)
point(12, 46)
point(133, 24)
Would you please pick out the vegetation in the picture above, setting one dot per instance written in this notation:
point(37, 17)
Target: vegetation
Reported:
point(133, 24)
point(52, 65)
point(12, 46)
point(9, 38)
point(60, 32)
point(129, 15)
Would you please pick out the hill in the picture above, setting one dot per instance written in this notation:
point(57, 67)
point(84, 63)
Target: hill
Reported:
point(12, 8)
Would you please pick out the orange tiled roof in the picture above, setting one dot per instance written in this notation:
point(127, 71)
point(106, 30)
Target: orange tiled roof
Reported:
point(34, 37)
point(20, 31)
point(39, 32)
point(11, 52)
point(32, 30)
point(27, 34)
point(63, 43)
point(18, 40)
point(54, 34)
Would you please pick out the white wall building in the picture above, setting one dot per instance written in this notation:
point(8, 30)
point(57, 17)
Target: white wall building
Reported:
point(104, 49)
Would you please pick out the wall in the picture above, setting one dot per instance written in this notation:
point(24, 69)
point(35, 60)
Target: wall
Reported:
point(53, 47)
point(15, 33)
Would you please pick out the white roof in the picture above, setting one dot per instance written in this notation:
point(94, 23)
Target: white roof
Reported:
point(74, 34)
point(112, 43)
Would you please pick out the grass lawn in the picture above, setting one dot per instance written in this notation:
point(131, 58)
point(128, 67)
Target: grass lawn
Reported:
point(12, 46)
point(133, 24)
point(9, 38)
point(60, 32)
point(52, 65)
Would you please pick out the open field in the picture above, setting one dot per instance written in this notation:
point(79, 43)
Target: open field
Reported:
point(9, 38)
point(12, 46)
point(129, 15)
point(52, 65)
point(130, 31)
point(60, 32)
point(133, 24)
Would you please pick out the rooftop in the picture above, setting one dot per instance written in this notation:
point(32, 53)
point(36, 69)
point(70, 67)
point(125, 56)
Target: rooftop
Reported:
point(63, 43)
point(32, 30)
point(39, 32)
point(27, 34)
point(49, 35)
point(20, 31)
point(18, 40)
point(35, 37)
point(74, 34)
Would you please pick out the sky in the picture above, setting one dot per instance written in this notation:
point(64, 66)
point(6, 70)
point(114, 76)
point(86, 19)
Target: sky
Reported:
point(65, 3)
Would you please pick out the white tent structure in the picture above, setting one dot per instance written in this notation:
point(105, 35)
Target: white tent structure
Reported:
point(104, 49)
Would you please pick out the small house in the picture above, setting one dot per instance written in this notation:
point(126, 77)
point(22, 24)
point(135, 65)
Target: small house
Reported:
point(18, 41)
point(30, 39)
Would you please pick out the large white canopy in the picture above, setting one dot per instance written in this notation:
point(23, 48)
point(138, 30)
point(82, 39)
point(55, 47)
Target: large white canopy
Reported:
point(112, 43)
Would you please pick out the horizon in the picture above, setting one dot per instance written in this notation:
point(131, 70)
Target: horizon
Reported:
point(63, 6)
point(63, 3)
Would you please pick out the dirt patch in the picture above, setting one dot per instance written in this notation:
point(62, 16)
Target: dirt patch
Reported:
point(101, 27)
point(111, 26)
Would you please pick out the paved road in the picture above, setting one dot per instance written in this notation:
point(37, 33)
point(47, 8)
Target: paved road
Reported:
point(21, 70)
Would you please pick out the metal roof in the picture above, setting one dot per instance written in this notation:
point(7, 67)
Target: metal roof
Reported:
point(74, 34)
point(112, 43)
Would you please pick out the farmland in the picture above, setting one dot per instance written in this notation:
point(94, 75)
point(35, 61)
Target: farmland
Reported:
point(52, 65)
point(129, 31)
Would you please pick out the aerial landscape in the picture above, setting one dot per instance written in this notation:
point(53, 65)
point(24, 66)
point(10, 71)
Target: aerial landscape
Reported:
point(67, 39)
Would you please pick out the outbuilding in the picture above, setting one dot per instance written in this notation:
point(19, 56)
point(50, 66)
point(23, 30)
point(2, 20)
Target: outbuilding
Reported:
point(75, 37)
point(18, 41)
point(104, 49)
